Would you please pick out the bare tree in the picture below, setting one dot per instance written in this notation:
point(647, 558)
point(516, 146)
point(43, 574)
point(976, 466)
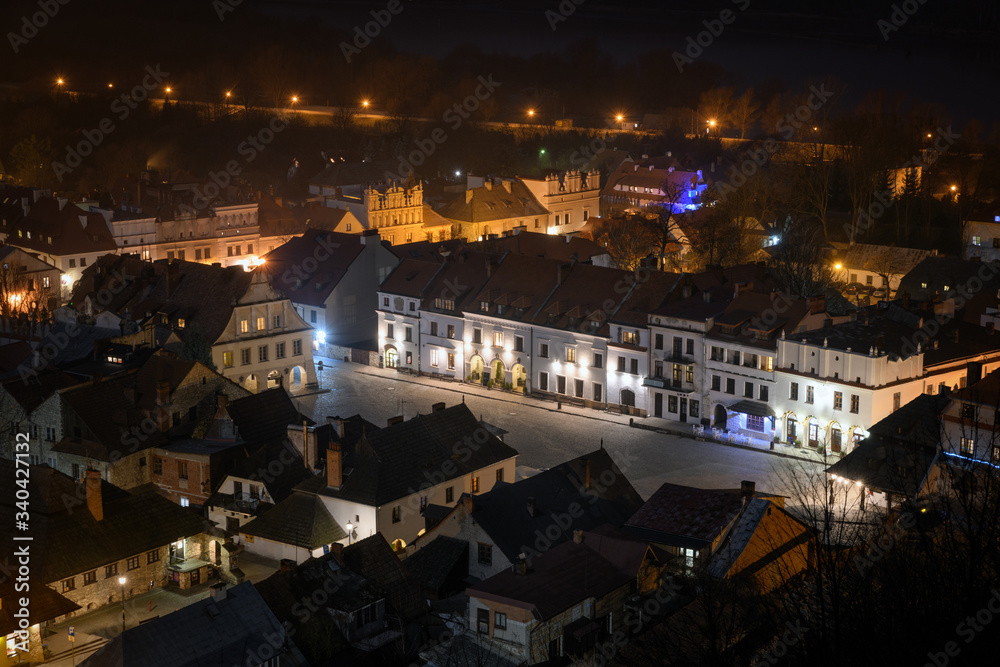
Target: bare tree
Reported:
point(627, 240)
point(746, 109)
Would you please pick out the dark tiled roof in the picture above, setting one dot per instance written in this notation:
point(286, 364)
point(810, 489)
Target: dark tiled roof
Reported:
point(493, 203)
point(202, 293)
point(70, 540)
point(390, 463)
point(503, 512)
point(899, 450)
point(264, 418)
point(686, 515)
point(71, 230)
point(277, 221)
point(29, 395)
point(46, 604)
point(230, 631)
point(557, 580)
point(375, 560)
point(535, 244)
point(340, 251)
point(435, 562)
point(300, 519)
point(410, 277)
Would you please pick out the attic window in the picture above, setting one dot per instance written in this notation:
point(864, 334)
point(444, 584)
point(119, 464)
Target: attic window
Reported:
point(484, 306)
point(48, 240)
point(945, 288)
point(180, 323)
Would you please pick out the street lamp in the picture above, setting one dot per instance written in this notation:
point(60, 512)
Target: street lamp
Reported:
point(121, 580)
point(365, 103)
point(350, 529)
point(711, 124)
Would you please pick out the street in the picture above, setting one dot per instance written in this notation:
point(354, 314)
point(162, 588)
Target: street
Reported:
point(545, 436)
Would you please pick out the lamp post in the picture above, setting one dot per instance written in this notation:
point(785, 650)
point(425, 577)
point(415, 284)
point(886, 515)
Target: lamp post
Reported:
point(121, 580)
point(350, 529)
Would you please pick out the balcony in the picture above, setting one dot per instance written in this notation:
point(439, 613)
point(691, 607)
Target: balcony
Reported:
point(242, 503)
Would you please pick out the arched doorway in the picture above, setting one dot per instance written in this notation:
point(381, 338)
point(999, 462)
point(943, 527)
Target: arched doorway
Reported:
point(391, 357)
point(721, 416)
point(791, 428)
point(628, 398)
point(476, 368)
point(250, 384)
point(836, 437)
point(273, 379)
point(497, 374)
point(298, 379)
point(518, 377)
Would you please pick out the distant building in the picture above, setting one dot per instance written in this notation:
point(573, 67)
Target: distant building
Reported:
point(331, 280)
point(571, 198)
point(254, 334)
point(878, 266)
point(637, 185)
point(494, 207)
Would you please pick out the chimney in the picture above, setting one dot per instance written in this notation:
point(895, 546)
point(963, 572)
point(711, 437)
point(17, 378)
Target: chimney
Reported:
point(748, 489)
point(94, 501)
point(394, 420)
point(532, 510)
point(162, 402)
point(173, 277)
point(221, 400)
point(468, 196)
point(578, 536)
point(955, 334)
point(817, 304)
point(506, 186)
point(334, 465)
point(286, 565)
point(218, 591)
point(338, 424)
point(488, 184)
point(438, 407)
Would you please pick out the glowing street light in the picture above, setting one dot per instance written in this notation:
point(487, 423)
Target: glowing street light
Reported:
point(59, 81)
point(619, 118)
point(350, 529)
point(711, 124)
point(531, 113)
point(295, 98)
point(365, 103)
point(121, 581)
point(838, 266)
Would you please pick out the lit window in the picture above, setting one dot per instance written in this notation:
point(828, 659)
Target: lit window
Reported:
point(261, 323)
point(498, 339)
point(570, 355)
point(244, 326)
point(227, 359)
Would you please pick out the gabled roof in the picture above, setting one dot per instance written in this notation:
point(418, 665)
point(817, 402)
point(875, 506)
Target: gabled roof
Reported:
point(230, 631)
point(536, 244)
point(433, 563)
point(374, 559)
point(899, 449)
point(57, 227)
point(561, 577)
point(485, 204)
point(46, 604)
point(685, 516)
point(264, 418)
point(276, 220)
point(200, 293)
point(301, 520)
point(503, 512)
point(333, 252)
point(70, 540)
point(390, 463)
point(884, 259)
point(29, 395)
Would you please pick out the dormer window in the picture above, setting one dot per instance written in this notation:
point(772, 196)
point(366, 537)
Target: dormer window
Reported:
point(627, 337)
point(484, 306)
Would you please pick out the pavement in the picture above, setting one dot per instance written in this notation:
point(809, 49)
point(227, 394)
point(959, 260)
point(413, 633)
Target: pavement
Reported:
point(93, 629)
point(660, 425)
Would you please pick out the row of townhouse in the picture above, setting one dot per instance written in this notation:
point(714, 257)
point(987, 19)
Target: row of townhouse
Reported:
point(723, 348)
point(531, 325)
